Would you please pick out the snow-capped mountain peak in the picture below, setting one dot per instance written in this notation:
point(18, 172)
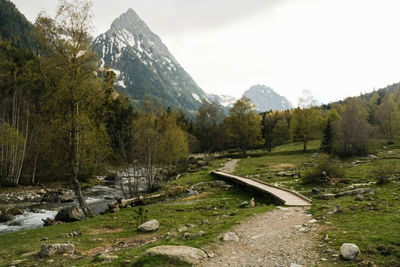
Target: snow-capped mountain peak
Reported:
point(265, 99)
point(146, 66)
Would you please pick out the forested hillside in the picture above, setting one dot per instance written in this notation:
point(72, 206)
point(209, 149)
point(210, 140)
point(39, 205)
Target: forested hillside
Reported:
point(14, 27)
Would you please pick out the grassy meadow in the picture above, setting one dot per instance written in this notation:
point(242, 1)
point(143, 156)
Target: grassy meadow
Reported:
point(116, 232)
point(372, 223)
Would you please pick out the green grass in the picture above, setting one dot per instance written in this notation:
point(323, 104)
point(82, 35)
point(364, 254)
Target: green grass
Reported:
point(218, 205)
point(373, 224)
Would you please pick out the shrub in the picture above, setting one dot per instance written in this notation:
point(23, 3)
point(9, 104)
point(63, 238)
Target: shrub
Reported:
point(140, 215)
point(324, 166)
point(383, 171)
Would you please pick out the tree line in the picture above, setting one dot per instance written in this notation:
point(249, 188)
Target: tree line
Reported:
point(346, 128)
point(61, 119)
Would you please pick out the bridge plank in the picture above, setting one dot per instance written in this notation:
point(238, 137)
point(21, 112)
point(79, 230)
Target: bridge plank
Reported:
point(286, 196)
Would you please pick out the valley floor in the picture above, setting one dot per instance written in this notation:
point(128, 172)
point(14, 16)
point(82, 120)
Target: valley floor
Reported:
point(269, 235)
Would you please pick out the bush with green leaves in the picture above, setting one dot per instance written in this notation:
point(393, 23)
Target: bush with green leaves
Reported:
point(324, 166)
point(384, 171)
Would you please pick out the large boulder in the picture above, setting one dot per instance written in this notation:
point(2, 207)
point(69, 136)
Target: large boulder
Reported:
point(53, 249)
point(149, 226)
point(182, 253)
point(69, 214)
point(349, 251)
point(60, 196)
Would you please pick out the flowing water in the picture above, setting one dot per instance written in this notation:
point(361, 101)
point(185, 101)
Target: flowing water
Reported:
point(97, 197)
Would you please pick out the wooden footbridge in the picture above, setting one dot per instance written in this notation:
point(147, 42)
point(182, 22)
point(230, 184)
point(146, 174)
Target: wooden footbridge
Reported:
point(283, 195)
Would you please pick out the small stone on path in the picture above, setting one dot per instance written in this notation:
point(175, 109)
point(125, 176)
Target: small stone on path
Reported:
point(230, 236)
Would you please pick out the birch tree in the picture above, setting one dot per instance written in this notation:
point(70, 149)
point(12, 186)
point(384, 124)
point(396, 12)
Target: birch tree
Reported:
point(73, 89)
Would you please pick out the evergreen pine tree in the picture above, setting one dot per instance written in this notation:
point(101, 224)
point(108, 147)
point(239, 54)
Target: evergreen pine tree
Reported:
point(327, 138)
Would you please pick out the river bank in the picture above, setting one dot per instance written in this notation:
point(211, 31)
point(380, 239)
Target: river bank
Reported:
point(25, 208)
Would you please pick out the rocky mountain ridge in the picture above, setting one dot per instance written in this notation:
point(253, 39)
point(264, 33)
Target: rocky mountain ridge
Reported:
point(144, 65)
point(265, 98)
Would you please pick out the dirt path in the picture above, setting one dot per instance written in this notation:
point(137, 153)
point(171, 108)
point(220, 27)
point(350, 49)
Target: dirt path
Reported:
point(276, 238)
point(281, 237)
point(230, 166)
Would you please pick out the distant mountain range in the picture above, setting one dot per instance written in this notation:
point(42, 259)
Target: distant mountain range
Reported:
point(265, 98)
point(143, 64)
point(224, 100)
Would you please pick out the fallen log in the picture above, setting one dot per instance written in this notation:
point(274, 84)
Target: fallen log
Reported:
point(123, 203)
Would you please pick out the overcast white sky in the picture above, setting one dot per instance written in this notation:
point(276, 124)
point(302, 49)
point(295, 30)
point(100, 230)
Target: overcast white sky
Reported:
point(334, 48)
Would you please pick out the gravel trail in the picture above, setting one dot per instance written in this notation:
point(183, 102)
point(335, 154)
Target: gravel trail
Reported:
point(281, 237)
point(276, 238)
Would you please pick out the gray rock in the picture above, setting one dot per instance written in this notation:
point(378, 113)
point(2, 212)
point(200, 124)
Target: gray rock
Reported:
point(186, 235)
point(219, 183)
point(60, 196)
point(359, 197)
point(202, 163)
point(73, 233)
point(182, 253)
point(149, 226)
point(244, 204)
point(53, 249)
point(199, 233)
point(295, 265)
point(304, 230)
point(182, 229)
point(349, 251)
point(169, 236)
point(316, 191)
point(204, 221)
point(69, 214)
point(113, 207)
point(355, 192)
point(230, 236)
point(189, 225)
point(287, 174)
point(337, 209)
point(107, 257)
point(328, 196)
